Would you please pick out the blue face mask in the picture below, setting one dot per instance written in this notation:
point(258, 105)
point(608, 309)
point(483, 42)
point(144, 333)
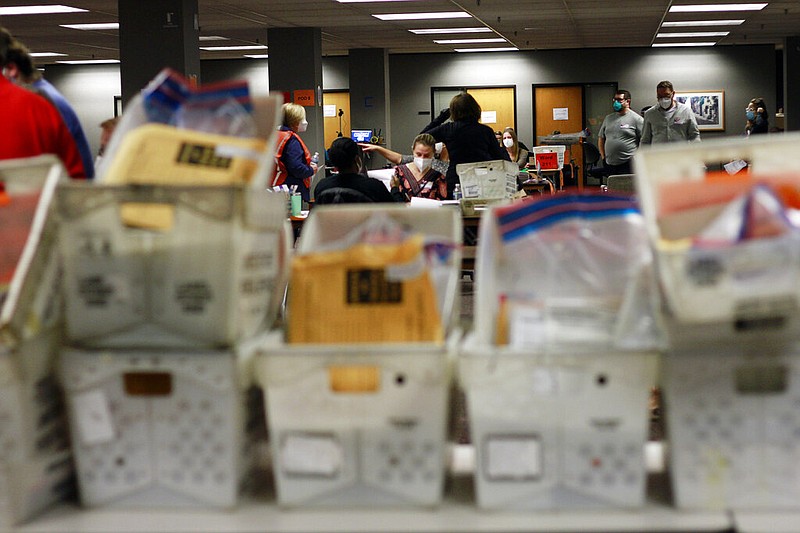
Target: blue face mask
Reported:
point(617, 105)
point(750, 115)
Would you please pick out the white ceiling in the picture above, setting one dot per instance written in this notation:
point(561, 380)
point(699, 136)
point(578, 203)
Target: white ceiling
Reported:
point(526, 24)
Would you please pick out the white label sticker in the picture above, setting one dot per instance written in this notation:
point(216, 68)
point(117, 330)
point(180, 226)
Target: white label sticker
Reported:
point(527, 327)
point(329, 110)
point(513, 457)
point(311, 455)
point(95, 425)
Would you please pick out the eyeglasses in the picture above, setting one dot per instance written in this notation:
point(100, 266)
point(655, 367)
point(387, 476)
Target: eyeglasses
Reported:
point(619, 99)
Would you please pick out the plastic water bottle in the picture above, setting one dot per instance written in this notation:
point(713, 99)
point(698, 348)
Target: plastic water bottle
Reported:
point(315, 158)
point(457, 192)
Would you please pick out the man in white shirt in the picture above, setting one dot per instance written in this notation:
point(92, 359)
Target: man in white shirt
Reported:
point(670, 120)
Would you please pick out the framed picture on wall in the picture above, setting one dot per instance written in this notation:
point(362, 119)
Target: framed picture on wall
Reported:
point(708, 108)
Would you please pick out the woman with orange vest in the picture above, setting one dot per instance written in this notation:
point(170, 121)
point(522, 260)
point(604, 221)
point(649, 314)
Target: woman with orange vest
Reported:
point(293, 164)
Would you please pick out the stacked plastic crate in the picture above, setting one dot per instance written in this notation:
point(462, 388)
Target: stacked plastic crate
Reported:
point(166, 290)
point(35, 462)
point(362, 422)
point(728, 256)
point(558, 370)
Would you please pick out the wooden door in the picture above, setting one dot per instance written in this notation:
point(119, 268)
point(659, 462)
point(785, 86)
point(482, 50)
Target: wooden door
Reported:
point(497, 104)
point(333, 103)
point(560, 109)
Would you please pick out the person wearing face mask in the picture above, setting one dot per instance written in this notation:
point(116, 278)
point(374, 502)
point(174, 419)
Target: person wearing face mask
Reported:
point(419, 178)
point(757, 117)
point(293, 164)
point(439, 163)
point(515, 151)
point(619, 135)
point(670, 120)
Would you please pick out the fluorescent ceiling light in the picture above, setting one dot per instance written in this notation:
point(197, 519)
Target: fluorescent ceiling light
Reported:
point(470, 41)
point(39, 10)
point(690, 23)
point(507, 49)
point(664, 45)
point(434, 31)
point(691, 34)
point(425, 16)
point(257, 56)
point(228, 48)
point(213, 38)
point(89, 61)
point(370, 1)
point(697, 8)
point(46, 54)
point(94, 26)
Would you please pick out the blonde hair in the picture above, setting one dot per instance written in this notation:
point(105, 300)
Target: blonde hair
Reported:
point(424, 138)
point(293, 115)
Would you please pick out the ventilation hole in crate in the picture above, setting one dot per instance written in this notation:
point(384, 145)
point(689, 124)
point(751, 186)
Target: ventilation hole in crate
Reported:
point(119, 461)
point(400, 380)
point(602, 380)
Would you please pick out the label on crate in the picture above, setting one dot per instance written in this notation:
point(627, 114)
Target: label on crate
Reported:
point(513, 457)
point(92, 413)
point(308, 454)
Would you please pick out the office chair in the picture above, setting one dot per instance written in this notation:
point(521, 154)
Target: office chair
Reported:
point(591, 158)
point(341, 195)
point(620, 183)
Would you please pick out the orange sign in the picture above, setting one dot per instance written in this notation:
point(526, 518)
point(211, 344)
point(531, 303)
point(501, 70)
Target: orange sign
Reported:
point(304, 97)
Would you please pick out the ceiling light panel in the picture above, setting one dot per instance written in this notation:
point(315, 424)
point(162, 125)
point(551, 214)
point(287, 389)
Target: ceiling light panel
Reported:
point(504, 49)
point(424, 16)
point(93, 26)
point(233, 48)
point(443, 31)
point(670, 45)
point(470, 41)
point(702, 23)
point(716, 8)
point(691, 34)
point(39, 10)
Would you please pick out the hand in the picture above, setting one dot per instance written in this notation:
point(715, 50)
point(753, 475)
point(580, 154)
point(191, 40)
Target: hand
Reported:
point(314, 167)
point(367, 147)
point(394, 182)
point(444, 114)
point(760, 110)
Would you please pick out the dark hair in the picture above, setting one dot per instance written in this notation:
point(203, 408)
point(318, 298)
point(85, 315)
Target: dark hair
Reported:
point(759, 102)
point(343, 153)
point(5, 43)
point(625, 94)
point(464, 107)
point(665, 85)
point(19, 54)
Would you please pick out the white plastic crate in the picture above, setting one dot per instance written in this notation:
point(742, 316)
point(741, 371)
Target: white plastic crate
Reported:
point(155, 428)
point(371, 427)
point(357, 425)
point(488, 180)
point(559, 149)
point(557, 431)
point(35, 462)
point(703, 285)
point(733, 425)
point(204, 266)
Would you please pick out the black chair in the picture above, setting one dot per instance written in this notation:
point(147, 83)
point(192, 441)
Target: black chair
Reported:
point(621, 183)
point(592, 165)
point(341, 195)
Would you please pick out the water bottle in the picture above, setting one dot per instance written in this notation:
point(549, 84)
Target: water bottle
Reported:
point(315, 158)
point(457, 192)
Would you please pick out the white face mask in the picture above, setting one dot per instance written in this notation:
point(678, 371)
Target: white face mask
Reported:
point(438, 147)
point(508, 143)
point(665, 103)
point(302, 126)
point(422, 163)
